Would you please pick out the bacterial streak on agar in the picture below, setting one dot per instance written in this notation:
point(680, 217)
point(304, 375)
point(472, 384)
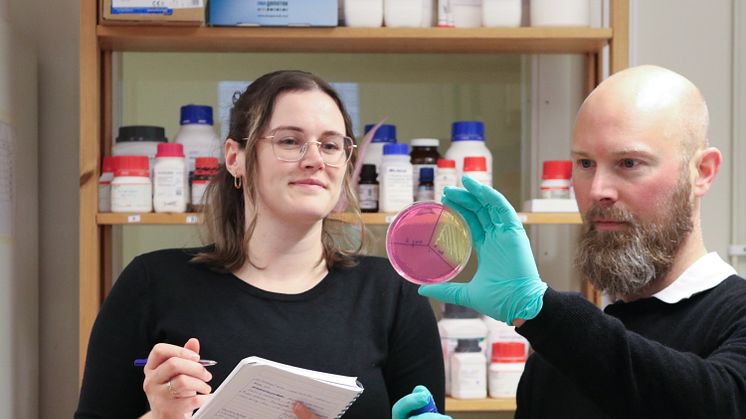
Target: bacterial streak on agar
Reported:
point(428, 243)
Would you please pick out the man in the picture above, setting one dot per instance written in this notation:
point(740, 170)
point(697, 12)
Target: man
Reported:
point(674, 342)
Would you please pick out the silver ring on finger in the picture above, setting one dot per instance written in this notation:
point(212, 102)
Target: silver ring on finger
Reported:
point(172, 390)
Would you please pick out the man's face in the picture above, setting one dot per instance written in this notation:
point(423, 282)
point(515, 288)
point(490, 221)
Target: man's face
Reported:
point(626, 262)
point(634, 193)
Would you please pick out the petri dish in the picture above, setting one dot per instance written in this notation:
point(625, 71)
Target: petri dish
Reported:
point(428, 243)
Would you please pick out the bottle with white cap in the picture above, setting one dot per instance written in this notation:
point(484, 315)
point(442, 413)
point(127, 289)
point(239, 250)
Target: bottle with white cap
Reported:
point(395, 178)
point(385, 134)
point(467, 139)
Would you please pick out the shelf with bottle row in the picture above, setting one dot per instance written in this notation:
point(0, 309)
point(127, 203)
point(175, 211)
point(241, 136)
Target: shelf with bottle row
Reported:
point(525, 40)
point(480, 405)
point(373, 218)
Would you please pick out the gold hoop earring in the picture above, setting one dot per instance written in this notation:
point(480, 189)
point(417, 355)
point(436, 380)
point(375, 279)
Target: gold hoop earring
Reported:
point(237, 182)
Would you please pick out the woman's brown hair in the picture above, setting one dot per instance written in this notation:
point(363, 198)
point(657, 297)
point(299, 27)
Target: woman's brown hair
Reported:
point(228, 230)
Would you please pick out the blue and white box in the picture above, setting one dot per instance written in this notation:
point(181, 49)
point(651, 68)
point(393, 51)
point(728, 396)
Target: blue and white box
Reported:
point(273, 13)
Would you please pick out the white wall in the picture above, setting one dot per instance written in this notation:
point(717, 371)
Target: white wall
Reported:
point(52, 26)
point(694, 38)
point(19, 279)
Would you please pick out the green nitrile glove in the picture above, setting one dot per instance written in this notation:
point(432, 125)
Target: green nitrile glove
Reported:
point(507, 285)
point(417, 399)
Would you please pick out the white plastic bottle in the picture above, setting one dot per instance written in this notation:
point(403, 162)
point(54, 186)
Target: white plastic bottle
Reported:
point(131, 189)
point(385, 134)
point(467, 139)
point(501, 13)
point(104, 184)
point(170, 182)
point(498, 331)
point(402, 13)
point(395, 178)
point(476, 167)
point(508, 362)
point(555, 179)
point(468, 371)
point(197, 135)
point(363, 13)
point(458, 322)
point(467, 13)
point(560, 13)
point(139, 140)
point(445, 175)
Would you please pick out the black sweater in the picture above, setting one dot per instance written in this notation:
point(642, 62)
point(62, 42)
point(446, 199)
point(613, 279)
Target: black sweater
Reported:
point(641, 359)
point(364, 321)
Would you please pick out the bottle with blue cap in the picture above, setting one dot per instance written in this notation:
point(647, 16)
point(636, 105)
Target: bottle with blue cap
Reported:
point(467, 140)
point(395, 178)
point(197, 135)
point(385, 134)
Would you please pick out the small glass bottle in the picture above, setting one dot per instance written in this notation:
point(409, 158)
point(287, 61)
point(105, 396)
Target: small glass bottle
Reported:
point(367, 189)
point(205, 168)
point(424, 154)
point(425, 187)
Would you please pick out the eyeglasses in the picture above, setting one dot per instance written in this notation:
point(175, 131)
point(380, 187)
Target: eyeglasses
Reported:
point(289, 145)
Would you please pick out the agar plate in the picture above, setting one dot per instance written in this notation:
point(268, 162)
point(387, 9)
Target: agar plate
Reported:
point(428, 243)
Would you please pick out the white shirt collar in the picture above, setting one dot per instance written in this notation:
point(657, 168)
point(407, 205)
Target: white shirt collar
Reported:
point(707, 272)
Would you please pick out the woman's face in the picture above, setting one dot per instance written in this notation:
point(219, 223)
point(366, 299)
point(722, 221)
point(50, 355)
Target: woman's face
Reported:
point(308, 189)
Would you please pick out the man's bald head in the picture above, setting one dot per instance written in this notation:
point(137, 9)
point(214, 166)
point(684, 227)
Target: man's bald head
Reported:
point(657, 95)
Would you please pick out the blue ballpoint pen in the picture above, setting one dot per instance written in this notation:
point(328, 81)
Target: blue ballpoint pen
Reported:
point(140, 362)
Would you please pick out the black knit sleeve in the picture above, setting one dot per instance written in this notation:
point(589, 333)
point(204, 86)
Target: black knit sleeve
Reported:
point(628, 375)
point(414, 356)
point(112, 385)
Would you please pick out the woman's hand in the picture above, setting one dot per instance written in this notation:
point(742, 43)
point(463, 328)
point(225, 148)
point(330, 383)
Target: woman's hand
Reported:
point(302, 412)
point(175, 383)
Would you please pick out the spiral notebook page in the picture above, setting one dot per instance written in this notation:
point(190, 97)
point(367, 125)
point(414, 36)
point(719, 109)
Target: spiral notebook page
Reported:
point(256, 389)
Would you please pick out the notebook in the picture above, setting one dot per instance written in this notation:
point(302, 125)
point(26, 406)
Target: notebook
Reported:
point(261, 389)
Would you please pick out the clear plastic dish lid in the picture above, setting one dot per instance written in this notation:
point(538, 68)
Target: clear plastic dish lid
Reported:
point(428, 243)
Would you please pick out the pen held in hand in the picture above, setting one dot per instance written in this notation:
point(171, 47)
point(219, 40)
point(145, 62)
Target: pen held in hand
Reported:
point(140, 362)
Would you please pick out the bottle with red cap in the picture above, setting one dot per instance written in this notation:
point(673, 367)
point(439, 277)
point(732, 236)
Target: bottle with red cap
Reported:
point(555, 179)
point(508, 362)
point(131, 189)
point(170, 179)
point(205, 168)
point(104, 184)
point(476, 167)
point(445, 175)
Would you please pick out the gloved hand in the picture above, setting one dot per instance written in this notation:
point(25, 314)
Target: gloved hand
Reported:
point(506, 285)
point(418, 398)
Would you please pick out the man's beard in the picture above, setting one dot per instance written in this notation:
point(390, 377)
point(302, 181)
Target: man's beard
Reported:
point(626, 263)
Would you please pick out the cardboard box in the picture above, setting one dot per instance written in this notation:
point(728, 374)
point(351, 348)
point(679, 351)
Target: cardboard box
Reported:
point(273, 13)
point(168, 12)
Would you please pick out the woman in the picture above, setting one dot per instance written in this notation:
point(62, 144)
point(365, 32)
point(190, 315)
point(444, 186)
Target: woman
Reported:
point(274, 282)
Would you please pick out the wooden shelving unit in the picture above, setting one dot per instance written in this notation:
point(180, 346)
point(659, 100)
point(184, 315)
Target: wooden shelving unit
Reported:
point(480, 405)
point(378, 218)
point(97, 43)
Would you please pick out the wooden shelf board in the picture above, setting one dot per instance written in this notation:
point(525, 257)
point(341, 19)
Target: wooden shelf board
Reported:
point(480, 405)
point(379, 218)
point(529, 40)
